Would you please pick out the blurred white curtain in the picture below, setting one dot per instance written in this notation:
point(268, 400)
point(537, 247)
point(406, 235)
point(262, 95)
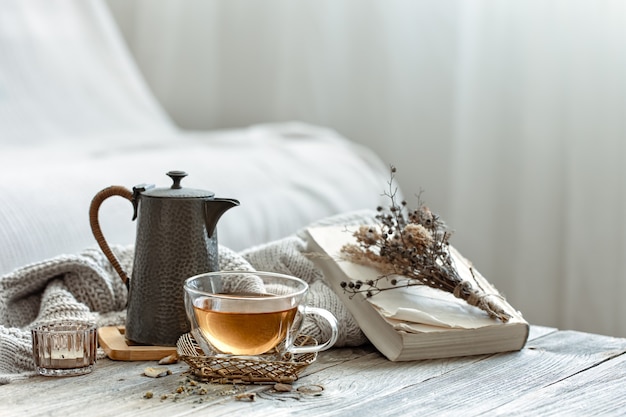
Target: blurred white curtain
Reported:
point(510, 115)
point(540, 149)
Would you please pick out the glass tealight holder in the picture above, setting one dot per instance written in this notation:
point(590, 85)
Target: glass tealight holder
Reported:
point(65, 348)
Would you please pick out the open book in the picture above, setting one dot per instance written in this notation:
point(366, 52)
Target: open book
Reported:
point(416, 322)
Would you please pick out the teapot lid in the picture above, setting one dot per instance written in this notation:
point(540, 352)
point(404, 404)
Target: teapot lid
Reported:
point(176, 190)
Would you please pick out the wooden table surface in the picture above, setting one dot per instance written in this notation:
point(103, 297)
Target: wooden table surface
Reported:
point(557, 373)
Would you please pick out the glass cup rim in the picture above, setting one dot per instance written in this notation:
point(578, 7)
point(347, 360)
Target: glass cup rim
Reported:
point(296, 293)
point(64, 327)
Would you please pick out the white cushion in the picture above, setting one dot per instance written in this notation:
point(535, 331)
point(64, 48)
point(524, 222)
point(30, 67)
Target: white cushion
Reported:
point(285, 176)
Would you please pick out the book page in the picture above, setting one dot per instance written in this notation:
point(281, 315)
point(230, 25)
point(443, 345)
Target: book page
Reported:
point(419, 303)
point(416, 304)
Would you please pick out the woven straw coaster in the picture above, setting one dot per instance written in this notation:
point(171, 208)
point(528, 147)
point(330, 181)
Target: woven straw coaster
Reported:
point(225, 370)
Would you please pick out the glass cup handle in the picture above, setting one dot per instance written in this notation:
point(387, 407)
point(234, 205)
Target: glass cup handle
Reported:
point(334, 328)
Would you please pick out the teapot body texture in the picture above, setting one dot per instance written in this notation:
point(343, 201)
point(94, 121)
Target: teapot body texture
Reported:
point(176, 239)
point(172, 245)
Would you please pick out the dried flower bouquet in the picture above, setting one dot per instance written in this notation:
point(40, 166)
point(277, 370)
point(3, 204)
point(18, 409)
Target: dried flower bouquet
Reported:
point(410, 247)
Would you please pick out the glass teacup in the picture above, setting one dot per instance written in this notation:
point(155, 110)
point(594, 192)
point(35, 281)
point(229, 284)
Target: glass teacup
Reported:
point(251, 314)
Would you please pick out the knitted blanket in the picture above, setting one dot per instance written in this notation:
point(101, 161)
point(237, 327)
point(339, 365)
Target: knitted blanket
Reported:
point(85, 287)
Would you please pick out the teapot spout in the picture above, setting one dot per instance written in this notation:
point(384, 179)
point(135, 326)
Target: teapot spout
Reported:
point(213, 210)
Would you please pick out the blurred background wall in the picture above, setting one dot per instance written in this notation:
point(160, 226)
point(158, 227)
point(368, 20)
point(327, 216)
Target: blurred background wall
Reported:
point(510, 116)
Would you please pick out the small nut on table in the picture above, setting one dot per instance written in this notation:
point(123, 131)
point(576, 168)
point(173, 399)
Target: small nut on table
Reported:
point(156, 372)
point(311, 389)
point(245, 396)
point(280, 387)
point(168, 360)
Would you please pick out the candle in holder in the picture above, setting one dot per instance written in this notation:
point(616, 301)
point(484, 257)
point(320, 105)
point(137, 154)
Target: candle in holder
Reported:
point(64, 348)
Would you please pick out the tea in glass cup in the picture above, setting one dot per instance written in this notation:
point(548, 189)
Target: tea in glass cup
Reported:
point(243, 313)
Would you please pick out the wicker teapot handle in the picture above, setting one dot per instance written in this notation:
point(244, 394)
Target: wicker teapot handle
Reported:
point(95, 224)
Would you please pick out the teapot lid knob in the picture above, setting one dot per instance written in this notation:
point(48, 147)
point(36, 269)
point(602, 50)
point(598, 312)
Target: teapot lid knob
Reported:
point(176, 176)
point(176, 190)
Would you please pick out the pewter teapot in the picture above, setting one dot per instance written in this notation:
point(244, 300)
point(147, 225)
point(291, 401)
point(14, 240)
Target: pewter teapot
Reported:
point(176, 239)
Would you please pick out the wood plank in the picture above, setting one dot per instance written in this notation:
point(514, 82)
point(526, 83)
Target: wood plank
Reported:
point(354, 381)
point(539, 331)
point(114, 389)
point(596, 391)
point(118, 388)
point(439, 387)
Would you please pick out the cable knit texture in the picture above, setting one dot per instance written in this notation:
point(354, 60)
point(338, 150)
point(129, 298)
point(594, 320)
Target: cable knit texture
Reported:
point(85, 288)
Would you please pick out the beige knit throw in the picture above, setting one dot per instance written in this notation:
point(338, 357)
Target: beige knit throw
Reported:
point(85, 287)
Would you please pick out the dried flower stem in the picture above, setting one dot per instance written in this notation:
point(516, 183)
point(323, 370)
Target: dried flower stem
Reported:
point(410, 247)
